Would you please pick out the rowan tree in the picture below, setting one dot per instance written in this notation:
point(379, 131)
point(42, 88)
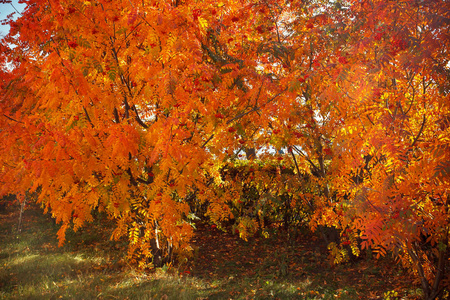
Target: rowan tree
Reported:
point(139, 109)
point(394, 145)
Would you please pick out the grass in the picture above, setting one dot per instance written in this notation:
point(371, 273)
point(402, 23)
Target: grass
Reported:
point(90, 266)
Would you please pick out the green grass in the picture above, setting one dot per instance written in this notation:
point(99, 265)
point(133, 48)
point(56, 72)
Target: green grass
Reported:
point(90, 266)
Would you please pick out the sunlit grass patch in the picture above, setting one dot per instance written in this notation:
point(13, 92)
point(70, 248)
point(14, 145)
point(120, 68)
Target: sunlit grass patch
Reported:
point(89, 266)
point(30, 275)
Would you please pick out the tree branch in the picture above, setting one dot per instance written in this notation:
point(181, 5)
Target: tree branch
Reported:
point(116, 116)
point(207, 141)
point(256, 108)
point(316, 169)
point(12, 119)
point(426, 286)
point(420, 131)
point(87, 116)
point(138, 118)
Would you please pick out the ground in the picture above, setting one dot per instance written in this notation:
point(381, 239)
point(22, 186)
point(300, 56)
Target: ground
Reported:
point(90, 266)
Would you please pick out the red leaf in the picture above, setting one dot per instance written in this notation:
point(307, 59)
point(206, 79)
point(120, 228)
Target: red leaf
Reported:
point(72, 44)
point(196, 13)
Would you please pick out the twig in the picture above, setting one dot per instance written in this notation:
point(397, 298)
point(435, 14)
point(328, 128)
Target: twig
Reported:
point(13, 119)
point(420, 131)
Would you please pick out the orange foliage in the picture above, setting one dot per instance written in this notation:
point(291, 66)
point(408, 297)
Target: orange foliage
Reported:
point(136, 107)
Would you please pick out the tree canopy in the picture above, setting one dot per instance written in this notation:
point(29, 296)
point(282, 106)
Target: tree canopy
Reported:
point(330, 114)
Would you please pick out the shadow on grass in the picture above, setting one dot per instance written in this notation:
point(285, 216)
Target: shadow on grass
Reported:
point(90, 266)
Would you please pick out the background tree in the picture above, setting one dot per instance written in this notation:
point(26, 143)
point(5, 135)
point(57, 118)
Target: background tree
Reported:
point(393, 178)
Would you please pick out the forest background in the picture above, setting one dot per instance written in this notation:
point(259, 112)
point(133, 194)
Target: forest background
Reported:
point(248, 115)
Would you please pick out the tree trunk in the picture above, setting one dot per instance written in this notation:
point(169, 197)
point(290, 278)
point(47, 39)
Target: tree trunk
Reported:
point(22, 209)
point(162, 254)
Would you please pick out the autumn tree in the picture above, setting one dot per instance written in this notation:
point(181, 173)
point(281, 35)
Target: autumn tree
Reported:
point(149, 110)
point(102, 119)
point(393, 178)
point(128, 107)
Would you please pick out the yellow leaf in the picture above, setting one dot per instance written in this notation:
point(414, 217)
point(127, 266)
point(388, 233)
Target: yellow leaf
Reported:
point(203, 23)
